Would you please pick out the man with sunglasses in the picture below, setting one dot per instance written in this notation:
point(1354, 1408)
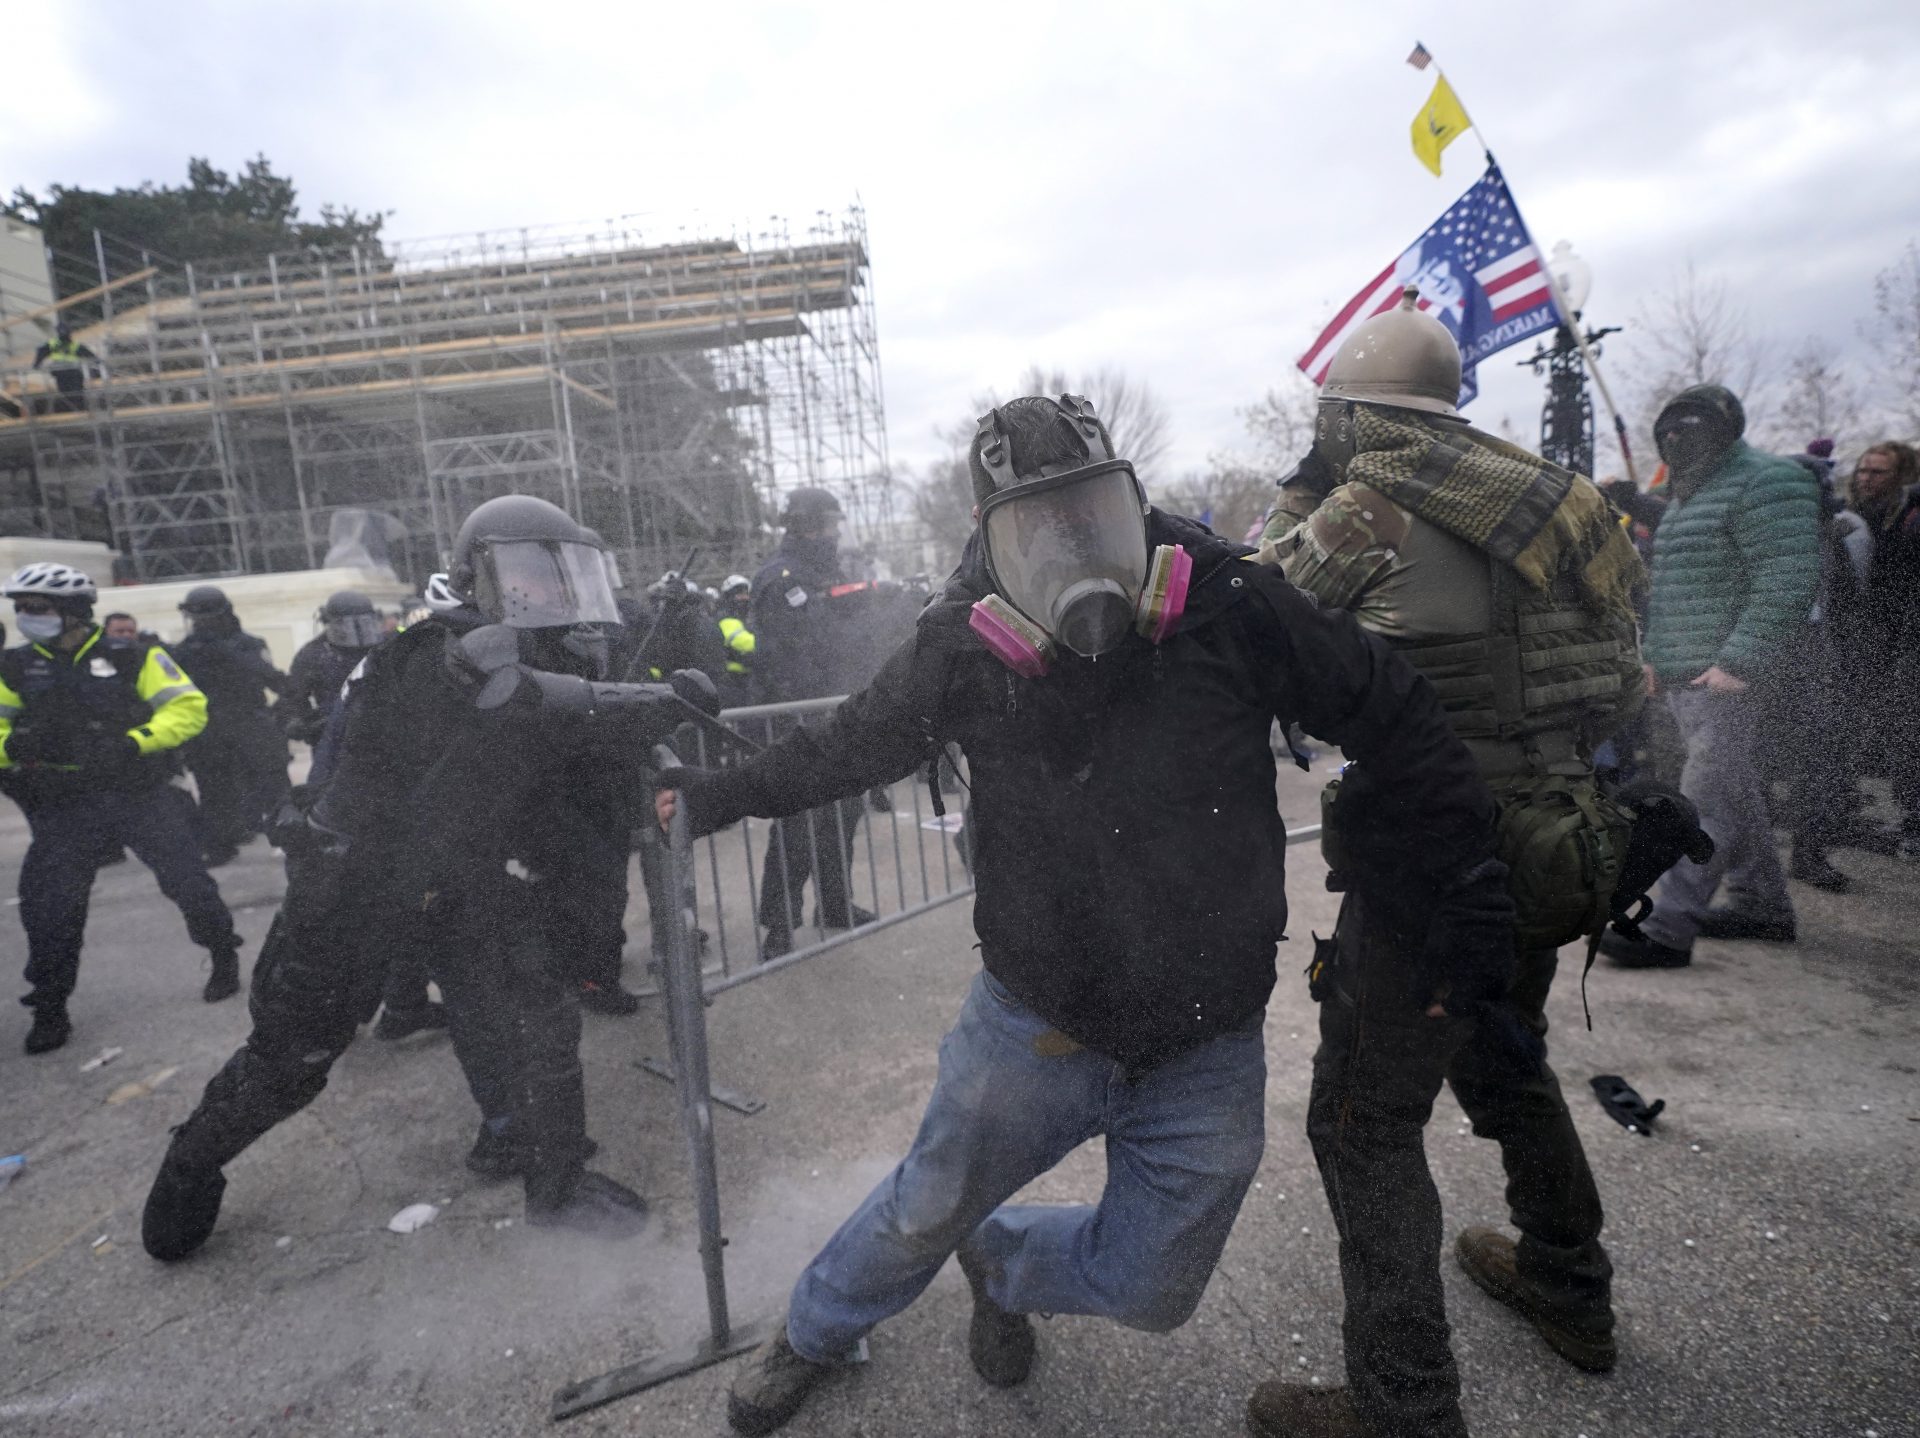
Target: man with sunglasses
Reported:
point(1113, 674)
point(86, 734)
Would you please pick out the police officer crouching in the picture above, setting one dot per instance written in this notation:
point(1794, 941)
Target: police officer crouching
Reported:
point(85, 731)
point(460, 799)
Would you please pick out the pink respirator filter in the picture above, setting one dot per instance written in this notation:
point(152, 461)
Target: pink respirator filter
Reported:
point(1164, 599)
point(1015, 640)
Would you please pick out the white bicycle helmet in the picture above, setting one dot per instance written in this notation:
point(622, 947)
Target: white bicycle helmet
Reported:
point(439, 595)
point(55, 581)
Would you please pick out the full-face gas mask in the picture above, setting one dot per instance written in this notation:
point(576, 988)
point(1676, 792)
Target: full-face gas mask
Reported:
point(1066, 548)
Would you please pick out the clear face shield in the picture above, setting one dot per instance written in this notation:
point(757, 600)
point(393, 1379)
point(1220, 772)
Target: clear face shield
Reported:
point(1069, 551)
point(543, 584)
point(353, 631)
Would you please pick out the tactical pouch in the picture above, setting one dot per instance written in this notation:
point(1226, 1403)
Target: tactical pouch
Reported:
point(1320, 968)
point(1564, 843)
point(1333, 845)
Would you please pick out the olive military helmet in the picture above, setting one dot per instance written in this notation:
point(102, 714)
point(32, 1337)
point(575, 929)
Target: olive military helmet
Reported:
point(524, 563)
point(1404, 358)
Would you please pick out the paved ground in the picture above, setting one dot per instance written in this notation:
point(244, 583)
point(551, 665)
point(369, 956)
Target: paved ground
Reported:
point(1788, 1159)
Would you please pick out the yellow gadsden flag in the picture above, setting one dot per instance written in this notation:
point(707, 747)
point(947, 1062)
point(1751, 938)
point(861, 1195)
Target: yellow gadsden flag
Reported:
point(1441, 121)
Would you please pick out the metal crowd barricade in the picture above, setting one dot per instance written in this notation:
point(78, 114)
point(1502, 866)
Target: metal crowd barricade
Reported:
point(696, 964)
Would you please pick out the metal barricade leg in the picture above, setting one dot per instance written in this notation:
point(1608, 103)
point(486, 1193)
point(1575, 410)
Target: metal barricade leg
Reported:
point(668, 873)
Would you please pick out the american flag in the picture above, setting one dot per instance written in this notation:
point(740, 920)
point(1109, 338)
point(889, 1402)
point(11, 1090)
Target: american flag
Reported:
point(1477, 271)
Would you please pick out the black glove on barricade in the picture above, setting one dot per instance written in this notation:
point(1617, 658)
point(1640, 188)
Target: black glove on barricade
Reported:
point(1625, 1106)
point(29, 744)
point(1469, 955)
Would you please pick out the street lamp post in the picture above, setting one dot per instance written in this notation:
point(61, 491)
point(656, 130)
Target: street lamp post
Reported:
point(1566, 420)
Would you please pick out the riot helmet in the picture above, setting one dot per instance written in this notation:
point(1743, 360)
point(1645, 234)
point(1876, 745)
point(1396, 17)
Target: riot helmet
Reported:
point(1062, 520)
point(348, 620)
point(206, 601)
point(524, 563)
point(1404, 358)
point(809, 508)
point(209, 611)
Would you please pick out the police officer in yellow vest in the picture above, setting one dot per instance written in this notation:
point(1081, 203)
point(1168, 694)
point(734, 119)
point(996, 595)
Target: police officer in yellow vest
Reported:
point(85, 738)
point(67, 362)
point(1506, 581)
point(736, 595)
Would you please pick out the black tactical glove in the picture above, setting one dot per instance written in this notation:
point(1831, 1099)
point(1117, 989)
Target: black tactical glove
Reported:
point(691, 781)
point(1470, 956)
point(29, 744)
point(112, 752)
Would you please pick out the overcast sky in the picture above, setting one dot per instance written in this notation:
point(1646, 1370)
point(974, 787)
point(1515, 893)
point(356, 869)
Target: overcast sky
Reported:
point(1187, 192)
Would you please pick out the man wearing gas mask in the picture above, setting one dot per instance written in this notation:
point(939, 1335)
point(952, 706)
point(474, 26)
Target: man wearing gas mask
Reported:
point(1508, 582)
point(349, 628)
point(452, 795)
point(1736, 566)
point(1112, 673)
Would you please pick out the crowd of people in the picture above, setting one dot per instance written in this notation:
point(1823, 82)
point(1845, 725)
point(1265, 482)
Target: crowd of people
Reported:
point(1549, 707)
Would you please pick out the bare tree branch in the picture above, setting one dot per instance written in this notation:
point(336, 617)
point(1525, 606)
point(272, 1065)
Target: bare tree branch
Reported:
point(1894, 333)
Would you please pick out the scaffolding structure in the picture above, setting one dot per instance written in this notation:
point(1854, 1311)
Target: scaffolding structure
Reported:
point(665, 393)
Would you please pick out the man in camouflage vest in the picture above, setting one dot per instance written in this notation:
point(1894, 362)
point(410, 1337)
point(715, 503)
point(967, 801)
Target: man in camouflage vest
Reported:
point(1509, 583)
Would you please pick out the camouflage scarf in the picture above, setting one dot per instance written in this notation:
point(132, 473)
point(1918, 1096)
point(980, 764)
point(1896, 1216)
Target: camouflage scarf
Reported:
point(1522, 510)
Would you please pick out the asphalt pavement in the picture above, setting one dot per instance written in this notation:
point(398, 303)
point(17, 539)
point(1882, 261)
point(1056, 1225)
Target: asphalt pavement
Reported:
point(1766, 1235)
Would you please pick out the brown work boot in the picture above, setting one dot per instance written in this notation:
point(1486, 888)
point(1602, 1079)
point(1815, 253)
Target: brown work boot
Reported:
point(773, 1385)
point(999, 1343)
point(1293, 1410)
point(1490, 1260)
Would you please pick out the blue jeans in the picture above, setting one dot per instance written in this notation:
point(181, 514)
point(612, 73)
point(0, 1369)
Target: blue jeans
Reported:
point(1183, 1141)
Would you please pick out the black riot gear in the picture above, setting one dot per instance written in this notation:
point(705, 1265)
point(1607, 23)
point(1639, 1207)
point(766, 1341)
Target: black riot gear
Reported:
point(808, 506)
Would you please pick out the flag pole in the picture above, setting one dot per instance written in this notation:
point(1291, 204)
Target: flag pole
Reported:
point(1560, 305)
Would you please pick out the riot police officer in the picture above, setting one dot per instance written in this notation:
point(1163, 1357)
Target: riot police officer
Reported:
point(86, 734)
point(349, 627)
point(1509, 583)
point(239, 762)
point(796, 657)
point(448, 804)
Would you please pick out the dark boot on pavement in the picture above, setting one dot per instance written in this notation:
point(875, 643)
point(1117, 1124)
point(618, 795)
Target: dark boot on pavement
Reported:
point(224, 981)
point(1490, 1259)
point(51, 1029)
point(851, 917)
point(1810, 866)
point(396, 1024)
point(596, 1206)
point(999, 1343)
point(1734, 924)
point(1293, 1410)
point(611, 999)
point(777, 944)
point(496, 1157)
point(773, 1385)
point(1642, 953)
point(182, 1206)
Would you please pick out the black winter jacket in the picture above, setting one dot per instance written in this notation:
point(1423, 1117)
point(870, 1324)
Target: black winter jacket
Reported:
point(1129, 855)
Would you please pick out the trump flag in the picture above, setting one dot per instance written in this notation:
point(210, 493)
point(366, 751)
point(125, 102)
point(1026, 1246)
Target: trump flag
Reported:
point(1478, 273)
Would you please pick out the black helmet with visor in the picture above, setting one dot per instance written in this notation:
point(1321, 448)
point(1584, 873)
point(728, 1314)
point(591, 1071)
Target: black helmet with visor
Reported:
point(524, 563)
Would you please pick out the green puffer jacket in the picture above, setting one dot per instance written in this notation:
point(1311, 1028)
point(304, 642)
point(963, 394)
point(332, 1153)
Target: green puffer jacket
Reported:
point(1735, 568)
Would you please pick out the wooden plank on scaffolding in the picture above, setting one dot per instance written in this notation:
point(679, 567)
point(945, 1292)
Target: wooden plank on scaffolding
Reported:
point(81, 298)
